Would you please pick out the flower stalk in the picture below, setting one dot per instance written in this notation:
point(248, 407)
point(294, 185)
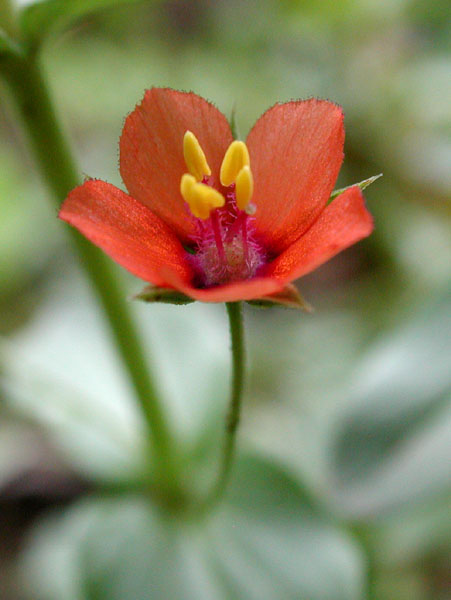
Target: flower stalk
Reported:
point(58, 168)
point(235, 314)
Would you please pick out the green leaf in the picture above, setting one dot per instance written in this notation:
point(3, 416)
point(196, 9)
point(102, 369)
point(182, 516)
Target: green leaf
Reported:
point(392, 444)
point(41, 18)
point(8, 45)
point(265, 542)
point(79, 423)
point(413, 536)
point(153, 293)
point(86, 410)
point(362, 185)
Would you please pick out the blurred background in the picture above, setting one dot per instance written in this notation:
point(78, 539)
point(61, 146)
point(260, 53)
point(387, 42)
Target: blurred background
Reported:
point(343, 485)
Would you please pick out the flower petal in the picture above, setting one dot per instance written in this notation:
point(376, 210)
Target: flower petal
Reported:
point(151, 150)
point(342, 223)
point(247, 289)
point(126, 230)
point(296, 151)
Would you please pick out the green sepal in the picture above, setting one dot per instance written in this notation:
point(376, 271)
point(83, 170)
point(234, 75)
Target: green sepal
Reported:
point(153, 293)
point(290, 297)
point(362, 185)
point(234, 124)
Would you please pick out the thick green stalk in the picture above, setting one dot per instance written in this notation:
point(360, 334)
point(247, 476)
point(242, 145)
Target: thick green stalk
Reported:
point(235, 314)
point(58, 168)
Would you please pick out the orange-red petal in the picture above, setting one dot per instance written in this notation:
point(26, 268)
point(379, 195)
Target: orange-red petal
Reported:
point(296, 151)
point(343, 222)
point(246, 289)
point(151, 150)
point(126, 230)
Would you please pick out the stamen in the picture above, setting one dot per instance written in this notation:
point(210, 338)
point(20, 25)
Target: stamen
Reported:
point(201, 198)
point(244, 187)
point(235, 226)
point(218, 237)
point(225, 250)
point(194, 157)
point(235, 158)
point(245, 244)
point(186, 184)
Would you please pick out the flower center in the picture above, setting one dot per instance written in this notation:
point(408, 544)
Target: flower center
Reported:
point(225, 248)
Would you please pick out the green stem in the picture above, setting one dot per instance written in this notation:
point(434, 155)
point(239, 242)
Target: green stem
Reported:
point(58, 168)
point(363, 535)
point(235, 314)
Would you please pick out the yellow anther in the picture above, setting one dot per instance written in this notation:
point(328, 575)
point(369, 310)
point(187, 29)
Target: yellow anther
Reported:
point(235, 158)
point(201, 198)
point(186, 185)
point(194, 157)
point(244, 189)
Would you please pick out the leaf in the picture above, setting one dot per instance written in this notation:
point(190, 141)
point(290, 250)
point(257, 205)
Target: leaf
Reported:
point(265, 542)
point(8, 45)
point(153, 293)
point(413, 536)
point(392, 443)
point(362, 185)
point(65, 358)
point(290, 297)
point(80, 424)
point(41, 18)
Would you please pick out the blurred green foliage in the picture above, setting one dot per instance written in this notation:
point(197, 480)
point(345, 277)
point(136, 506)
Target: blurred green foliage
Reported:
point(350, 403)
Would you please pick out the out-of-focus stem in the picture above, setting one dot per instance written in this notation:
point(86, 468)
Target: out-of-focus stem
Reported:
point(55, 161)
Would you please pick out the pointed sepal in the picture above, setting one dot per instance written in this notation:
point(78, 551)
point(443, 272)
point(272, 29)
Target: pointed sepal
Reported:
point(153, 293)
point(289, 296)
point(362, 185)
point(234, 125)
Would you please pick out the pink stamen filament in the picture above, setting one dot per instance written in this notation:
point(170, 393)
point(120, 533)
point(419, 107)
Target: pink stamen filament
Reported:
point(217, 233)
point(240, 223)
point(244, 234)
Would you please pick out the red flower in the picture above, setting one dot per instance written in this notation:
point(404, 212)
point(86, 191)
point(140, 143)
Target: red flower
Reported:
point(196, 222)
